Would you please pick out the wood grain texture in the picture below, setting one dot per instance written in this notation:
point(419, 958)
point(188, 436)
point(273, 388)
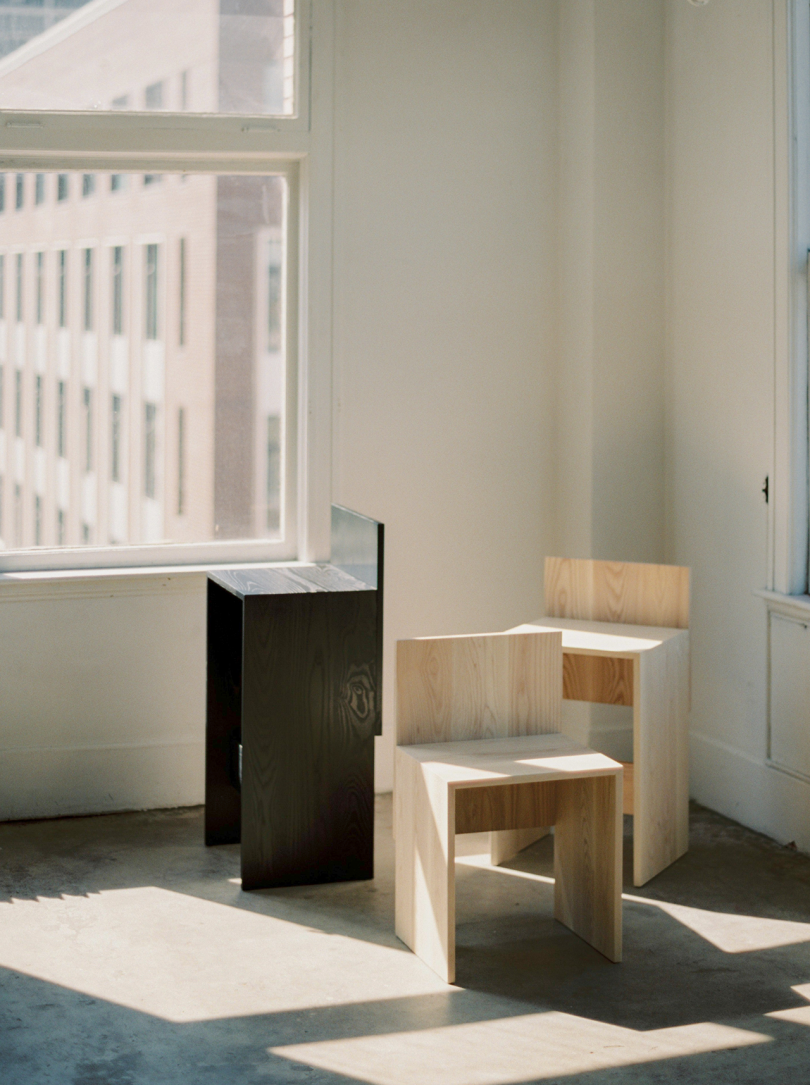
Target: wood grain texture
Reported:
point(425, 882)
point(598, 679)
point(613, 591)
point(309, 703)
point(504, 784)
point(628, 787)
point(456, 688)
point(511, 806)
point(588, 861)
point(223, 716)
point(661, 758)
point(508, 843)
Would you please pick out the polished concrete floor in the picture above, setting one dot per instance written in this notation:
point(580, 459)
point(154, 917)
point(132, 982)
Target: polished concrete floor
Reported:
point(130, 956)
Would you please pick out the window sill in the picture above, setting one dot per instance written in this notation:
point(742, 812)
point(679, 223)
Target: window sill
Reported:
point(791, 606)
point(34, 585)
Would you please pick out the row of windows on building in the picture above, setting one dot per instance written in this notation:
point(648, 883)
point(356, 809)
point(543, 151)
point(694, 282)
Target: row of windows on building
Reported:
point(88, 186)
point(87, 275)
point(116, 459)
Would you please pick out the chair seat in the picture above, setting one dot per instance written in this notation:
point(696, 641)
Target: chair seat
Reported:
point(603, 638)
point(494, 761)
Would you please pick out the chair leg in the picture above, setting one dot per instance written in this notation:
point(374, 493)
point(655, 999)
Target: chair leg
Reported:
point(505, 844)
point(425, 886)
point(661, 759)
point(588, 861)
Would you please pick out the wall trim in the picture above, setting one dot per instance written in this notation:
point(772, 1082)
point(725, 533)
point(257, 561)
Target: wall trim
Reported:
point(745, 788)
point(790, 606)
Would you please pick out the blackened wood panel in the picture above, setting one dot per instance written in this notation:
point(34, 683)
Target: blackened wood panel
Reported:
point(379, 655)
point(309, 706)
point(223, 716)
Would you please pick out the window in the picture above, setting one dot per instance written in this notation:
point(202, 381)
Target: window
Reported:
point(181, 461)
point(38, 411)
point(115, 434)
point(18, 515)
point(20, 192)
point(150, 450)
point(181, 301)
point(87, 402)
point(153, 98)
point(40, 302)
point(151, 307)
point(61, 419)
point(215, 343)
point(118, 290)
point(18, 403)
point(88, 290)
point(62, 287)
point(273, 474)
point(18, 283)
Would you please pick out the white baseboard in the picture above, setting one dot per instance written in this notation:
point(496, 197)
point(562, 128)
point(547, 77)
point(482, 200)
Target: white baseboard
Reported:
point(49, 782)
point(750, 791)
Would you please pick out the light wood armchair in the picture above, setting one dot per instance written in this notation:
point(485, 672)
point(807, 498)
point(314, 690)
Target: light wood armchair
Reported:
point(479, 749)
point(625, 641)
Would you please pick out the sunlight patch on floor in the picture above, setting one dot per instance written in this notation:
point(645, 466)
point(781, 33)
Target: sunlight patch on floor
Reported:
point(182, 958)
point(533, 1047)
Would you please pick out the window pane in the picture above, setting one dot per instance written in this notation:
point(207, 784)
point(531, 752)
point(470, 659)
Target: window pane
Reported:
point(141, 55)
point(145, 369)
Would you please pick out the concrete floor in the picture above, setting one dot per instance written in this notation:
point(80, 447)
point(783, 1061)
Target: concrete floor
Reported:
point(130, 956)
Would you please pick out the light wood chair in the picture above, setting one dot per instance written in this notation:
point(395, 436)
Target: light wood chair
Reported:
point(625, 641)
point(479, 749)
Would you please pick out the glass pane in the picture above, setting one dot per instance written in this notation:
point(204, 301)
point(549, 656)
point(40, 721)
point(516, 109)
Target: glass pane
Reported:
point(202, 56)
point(142, 347)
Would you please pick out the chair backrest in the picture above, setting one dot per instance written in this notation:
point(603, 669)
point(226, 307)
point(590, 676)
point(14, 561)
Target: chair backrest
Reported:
point(631, 593)
point(500, 685)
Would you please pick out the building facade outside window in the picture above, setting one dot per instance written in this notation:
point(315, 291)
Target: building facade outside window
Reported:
point(176, 399)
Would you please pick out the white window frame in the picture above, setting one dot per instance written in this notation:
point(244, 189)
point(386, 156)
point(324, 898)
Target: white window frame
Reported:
point(300, 147)
point(789, 473)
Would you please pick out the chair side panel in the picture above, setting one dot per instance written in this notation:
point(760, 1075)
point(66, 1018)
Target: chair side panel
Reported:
point(633, 593)
point(463, 688)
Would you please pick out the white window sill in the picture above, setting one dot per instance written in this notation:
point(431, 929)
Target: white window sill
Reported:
point(791, 606)
point(29, 586)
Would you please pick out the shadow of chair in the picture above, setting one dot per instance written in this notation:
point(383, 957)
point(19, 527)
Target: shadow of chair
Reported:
point(479, 749)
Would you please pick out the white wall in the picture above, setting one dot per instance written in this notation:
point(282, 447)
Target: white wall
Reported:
point(445, 164)
point(102, 695)
point(724, 100)
point(610, 377)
